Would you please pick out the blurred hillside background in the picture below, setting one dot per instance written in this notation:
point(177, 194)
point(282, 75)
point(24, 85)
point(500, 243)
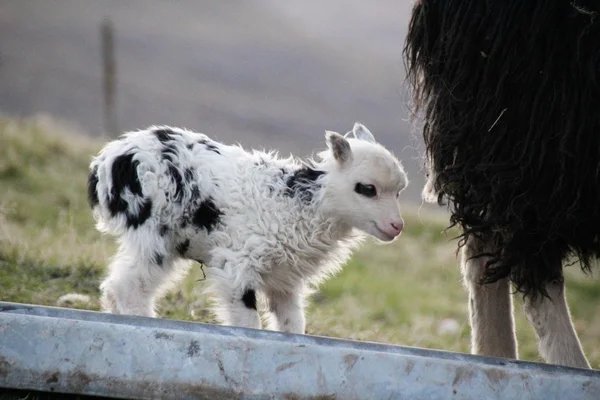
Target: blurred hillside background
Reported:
point(263, 73)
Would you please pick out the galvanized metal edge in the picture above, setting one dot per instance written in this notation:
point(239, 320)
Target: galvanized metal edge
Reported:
point(83, 352)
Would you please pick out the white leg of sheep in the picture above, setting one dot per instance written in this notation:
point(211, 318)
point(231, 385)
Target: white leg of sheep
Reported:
point(490, 309)
point(558, 341)
point(492, 323)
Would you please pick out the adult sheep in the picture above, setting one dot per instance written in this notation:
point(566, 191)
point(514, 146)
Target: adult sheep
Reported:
point(260, 224)
point(510, 92)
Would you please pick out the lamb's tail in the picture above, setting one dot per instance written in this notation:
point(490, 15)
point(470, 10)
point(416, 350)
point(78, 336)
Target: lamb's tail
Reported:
point(120, 189)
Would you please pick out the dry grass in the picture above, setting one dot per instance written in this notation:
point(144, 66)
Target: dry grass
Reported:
point(401, 293)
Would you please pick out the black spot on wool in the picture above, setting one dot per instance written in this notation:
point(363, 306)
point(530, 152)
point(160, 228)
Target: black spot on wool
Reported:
point(92, 191)
point(302, 183)
point(207, 215)
point(195, 192)
point(169, 153)
point(124, 175)
point(183, 247)
point(177, 180)
point(169, 150)
point(209, 146)
point(135, 220)
point(164, 135)
point(510, 93)
point(158, 259)
point(189, 175)
point(163, 230)
point(249, 299)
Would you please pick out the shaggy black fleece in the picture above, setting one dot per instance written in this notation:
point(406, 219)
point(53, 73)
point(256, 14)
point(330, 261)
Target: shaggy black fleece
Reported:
point(510, 95)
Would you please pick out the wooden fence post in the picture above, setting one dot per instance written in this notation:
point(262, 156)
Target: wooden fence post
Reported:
point(109, 77)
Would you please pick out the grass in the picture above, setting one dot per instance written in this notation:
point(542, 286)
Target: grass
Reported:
point(399, 293)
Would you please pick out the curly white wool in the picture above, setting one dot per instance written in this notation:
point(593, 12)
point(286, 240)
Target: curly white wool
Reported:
point(262, 225)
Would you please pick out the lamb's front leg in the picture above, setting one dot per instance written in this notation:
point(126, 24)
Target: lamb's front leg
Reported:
point(235, 297)
point(287, 311)
point(238, 308)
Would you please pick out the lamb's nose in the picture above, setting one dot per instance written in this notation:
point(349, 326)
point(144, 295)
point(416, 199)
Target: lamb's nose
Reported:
point(398, 226)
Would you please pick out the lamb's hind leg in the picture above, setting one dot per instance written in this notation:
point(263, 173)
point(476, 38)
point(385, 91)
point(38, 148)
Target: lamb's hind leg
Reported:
point(490, 308)
point(135, 280)
point(558, 341)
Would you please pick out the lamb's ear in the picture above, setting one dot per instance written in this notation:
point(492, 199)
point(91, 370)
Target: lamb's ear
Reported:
point(361, 132)
point(339, 146)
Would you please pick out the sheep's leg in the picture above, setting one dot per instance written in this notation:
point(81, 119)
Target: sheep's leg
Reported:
point(287, 312)
point(134, 282)
point(558, 341)
point(490, 308)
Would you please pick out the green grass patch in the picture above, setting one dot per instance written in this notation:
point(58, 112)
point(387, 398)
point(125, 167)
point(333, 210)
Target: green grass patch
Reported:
point(400, 293)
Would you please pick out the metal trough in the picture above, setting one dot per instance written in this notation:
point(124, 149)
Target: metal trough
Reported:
point(89, 353)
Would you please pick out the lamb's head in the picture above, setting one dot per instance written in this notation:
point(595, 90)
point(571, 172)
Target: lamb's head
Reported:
point(363, 183)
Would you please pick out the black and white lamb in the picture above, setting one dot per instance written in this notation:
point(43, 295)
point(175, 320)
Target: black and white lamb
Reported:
point(262, 225)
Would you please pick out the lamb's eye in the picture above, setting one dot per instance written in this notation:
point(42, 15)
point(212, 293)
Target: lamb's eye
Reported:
point(365, 190)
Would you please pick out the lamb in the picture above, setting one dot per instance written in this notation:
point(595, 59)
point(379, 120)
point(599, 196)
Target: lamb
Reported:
point(510, 92)
point(262, 225)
